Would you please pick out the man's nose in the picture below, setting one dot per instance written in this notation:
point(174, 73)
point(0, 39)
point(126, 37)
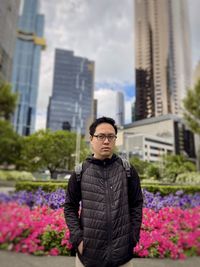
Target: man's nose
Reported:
point(106, 140)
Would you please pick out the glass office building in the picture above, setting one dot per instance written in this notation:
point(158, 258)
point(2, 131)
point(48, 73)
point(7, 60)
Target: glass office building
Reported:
point(29, 45)
point(71, 104)
point(9, 11)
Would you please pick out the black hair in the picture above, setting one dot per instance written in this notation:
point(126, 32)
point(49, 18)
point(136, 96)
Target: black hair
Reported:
point(98, 121)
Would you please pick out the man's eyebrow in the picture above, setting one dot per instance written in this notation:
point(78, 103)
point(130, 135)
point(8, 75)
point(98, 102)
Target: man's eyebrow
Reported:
point(105, 133)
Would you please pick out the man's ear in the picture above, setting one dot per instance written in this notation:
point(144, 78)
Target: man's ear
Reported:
point(91, 137)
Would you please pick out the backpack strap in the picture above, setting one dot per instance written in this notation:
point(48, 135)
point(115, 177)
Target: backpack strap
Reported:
point(127, 167)
point(78, 170)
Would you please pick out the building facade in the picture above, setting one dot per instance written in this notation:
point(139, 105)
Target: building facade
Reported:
point(72, 98)
point(166, 133)
point(9, 11)
point(162, 49)
point(110, 103)
point(146, 147)
point(25, 78)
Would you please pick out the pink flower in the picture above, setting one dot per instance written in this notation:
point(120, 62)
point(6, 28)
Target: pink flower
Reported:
point(171, 232)
point(54, 252)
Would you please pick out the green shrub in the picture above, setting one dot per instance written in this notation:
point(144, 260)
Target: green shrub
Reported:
point(188, 178)
point(2, 176)
point(53, 185)
point(153, 171)
point(48, 186)
point(16, 176)
point(139, 165)
point(173, 165)
point(150, 181)
point(168, 189)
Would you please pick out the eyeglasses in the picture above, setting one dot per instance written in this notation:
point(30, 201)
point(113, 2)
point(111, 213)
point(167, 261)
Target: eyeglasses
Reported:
point(102, 137)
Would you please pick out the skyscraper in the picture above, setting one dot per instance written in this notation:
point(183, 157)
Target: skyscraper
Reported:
point(110, 103)
point(26, 68)
point(72, 100)
point(162, 56)
point(8, 25)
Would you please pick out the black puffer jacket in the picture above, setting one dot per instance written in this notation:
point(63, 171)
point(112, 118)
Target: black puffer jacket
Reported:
point(111, 212)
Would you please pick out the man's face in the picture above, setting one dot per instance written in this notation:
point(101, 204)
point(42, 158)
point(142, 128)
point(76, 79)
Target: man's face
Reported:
point(103, 141)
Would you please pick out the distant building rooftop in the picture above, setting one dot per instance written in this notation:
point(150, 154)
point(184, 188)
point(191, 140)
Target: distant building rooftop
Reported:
point(153, 120)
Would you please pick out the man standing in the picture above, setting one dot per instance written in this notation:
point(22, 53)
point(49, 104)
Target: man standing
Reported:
point(108, 227)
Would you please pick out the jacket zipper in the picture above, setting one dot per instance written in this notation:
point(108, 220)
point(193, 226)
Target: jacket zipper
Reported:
point(108, 213)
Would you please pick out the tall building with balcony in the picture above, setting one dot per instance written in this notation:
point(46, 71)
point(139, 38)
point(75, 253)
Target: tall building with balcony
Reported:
point(162, 57)
point(25, 77)
point(71, 102)
point(9, 11)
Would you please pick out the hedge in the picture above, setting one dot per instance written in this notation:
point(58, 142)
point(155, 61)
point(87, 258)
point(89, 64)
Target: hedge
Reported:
point(13, 175)
point(171, 189)
point(52, 186)
point(46, 186)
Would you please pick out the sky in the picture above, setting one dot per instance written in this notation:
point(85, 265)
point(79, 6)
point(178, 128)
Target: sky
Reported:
point(102, 31)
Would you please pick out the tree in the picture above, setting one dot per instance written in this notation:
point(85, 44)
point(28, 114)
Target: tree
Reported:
point(50, 150)
point(139, 165)
point(192, 108)
point(173, 165)
point(8, 101)
point(153, 171)
point(10, 144)
point(191, 113)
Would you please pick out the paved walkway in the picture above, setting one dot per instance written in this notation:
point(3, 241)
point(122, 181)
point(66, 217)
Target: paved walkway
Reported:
point(6, 190)
point(12, 259)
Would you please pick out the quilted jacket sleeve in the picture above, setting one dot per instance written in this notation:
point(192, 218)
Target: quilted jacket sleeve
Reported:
point(71, 211)
point(135, 203)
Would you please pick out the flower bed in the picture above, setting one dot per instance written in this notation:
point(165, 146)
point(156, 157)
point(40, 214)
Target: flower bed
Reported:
point(170, 232)
point(56, 199)
point(38, 231)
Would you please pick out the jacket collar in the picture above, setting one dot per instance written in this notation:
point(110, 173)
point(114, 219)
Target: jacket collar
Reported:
point(104, 162)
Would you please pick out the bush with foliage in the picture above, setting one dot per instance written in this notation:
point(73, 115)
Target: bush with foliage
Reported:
point(48, 186)
point(51, 150)
point(173, 165)
point(139, 165)
point(171, 189)
point(16, 176)
point(154, 188)
point(188, 178)
point(10, 144)
point(153, 171)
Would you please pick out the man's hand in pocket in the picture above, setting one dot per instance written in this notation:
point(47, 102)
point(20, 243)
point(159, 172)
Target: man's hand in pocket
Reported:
point(80, 247)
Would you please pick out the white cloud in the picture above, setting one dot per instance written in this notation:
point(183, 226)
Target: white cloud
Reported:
point(100, 30)
point(106, 105)
point(128, 110)
point(41, 120)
